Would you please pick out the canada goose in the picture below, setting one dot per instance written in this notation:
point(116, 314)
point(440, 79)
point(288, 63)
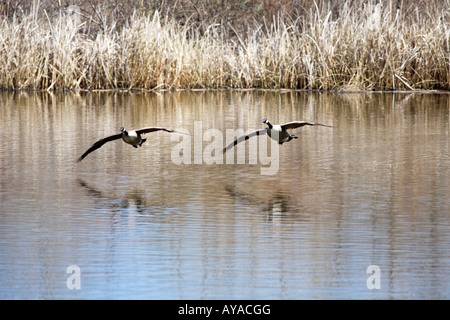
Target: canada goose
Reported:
point(132, 137)
point(277, 132)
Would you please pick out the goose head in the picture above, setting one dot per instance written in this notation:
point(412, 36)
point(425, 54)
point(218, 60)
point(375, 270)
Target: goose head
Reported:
point(122, 129)
point(267, 122)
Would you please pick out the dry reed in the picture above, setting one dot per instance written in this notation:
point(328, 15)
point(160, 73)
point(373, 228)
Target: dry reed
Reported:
point(374, 47)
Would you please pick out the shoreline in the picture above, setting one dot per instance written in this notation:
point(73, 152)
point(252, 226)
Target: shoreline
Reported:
point(175, 90)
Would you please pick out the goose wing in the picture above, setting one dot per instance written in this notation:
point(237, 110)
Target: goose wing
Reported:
point(296, 124)
point(98, 144)
point(152, 129)
point(243, 138)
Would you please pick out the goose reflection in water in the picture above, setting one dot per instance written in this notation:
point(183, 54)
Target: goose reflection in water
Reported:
point(279, 206)
point(134, 201)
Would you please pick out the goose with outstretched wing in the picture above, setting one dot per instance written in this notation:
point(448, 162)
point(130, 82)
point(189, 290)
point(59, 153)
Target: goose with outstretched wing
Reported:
point(132, 137)
point(278, 132)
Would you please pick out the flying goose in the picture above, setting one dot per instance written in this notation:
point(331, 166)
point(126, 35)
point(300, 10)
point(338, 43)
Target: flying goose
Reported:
point(132, 137)
point(277, 132)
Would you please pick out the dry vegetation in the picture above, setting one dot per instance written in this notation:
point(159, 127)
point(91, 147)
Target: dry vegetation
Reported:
point(355, 45)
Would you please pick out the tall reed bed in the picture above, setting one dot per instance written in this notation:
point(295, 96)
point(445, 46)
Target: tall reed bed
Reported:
point(373, 47)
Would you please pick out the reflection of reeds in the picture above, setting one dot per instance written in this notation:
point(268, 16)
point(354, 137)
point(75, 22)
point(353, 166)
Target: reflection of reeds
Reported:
point(369, 48)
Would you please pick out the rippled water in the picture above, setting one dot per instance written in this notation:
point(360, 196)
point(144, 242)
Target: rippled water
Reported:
point(372, 190)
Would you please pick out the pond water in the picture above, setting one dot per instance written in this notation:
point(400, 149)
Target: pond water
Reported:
point(370, 193)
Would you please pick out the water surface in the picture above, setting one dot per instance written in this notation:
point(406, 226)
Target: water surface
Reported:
point(372, 190)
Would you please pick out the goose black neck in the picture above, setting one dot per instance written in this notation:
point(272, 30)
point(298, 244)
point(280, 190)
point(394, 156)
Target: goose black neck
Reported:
point(269, 124)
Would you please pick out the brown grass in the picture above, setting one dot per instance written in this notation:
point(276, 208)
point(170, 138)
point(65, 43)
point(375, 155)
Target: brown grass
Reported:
point(376, 46)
